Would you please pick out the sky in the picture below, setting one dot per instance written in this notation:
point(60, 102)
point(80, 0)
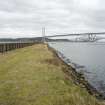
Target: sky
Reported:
point(25, 18)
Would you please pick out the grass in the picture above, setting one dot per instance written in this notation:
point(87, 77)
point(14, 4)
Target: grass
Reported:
point(33, 76)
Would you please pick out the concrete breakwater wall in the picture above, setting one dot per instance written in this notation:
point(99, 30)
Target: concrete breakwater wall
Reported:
point(4, 47)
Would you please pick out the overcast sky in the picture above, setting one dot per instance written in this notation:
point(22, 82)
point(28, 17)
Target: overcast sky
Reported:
point(25, 18)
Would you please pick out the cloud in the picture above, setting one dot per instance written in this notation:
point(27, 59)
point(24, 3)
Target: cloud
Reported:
point(25, 18)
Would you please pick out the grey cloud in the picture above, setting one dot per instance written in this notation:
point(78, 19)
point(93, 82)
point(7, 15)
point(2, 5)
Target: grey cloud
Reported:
point(21, 17)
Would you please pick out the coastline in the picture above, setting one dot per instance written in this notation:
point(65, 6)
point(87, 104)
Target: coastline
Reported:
point(36, 75)
point(78, 77)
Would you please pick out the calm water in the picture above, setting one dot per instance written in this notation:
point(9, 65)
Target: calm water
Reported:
point(88, 58)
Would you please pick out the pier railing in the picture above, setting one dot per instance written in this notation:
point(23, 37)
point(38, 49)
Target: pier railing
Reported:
point(4, 47)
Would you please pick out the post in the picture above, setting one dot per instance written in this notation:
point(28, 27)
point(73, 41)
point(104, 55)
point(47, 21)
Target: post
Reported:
point(4, 47)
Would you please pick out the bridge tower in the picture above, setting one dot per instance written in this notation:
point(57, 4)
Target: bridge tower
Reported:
point(43, 35)
point(92, 37)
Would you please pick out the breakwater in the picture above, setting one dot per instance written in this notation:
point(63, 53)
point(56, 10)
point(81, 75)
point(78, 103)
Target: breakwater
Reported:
point(7, 46)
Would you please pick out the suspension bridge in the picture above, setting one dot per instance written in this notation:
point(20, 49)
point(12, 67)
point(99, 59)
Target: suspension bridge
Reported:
point(90, 36)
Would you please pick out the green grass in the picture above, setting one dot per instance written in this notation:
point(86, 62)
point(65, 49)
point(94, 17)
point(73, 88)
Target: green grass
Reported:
point(33, 76)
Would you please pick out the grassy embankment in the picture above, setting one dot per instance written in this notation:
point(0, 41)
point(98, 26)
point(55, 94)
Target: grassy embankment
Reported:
point(33, 76)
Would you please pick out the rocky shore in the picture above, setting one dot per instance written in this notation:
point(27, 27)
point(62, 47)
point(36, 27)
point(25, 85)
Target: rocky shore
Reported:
point(77, 76)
